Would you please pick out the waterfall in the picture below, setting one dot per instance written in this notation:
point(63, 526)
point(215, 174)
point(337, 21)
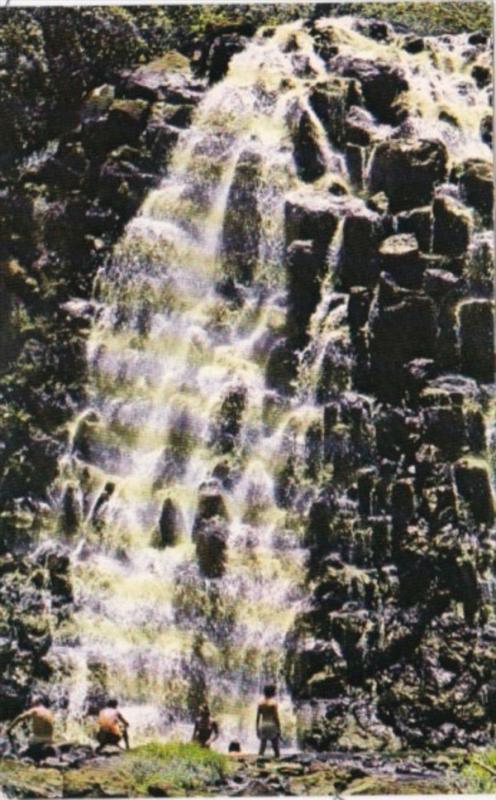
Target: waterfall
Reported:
point(165, 352)
point(180, 419)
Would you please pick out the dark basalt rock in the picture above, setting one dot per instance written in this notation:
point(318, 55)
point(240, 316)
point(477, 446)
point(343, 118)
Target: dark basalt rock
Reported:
point(211, 547)
point(122, 123)
point(486, 130)
point(210, 504)
point(476, 334)
point(481, 75)
point(408, 171)
point(169, 525)
point(241, 231)
point(228, 425)
point(223, 48)
point(419, 222)
point(452, 227)
point(413, 44)
point(330, 100)
point(70, 516)
point(381, 84)
point(358, 264)
point(400, 333)
point(476, 185)
point(398, 256)
point(474, 485)
point(311, 218)
point(282, 366)
point(360, 127)
point(308, 155)
point(302, 271)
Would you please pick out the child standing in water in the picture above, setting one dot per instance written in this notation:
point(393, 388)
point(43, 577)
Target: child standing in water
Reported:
point(268, 725)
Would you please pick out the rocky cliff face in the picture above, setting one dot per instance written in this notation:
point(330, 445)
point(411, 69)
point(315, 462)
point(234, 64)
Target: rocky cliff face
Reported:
point(398, 643)
point(388, 327)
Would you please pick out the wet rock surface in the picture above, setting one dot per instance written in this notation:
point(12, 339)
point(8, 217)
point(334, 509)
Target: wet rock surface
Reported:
point(78, 773)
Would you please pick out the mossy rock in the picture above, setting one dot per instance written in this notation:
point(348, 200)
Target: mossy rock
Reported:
point(99, 780)
point(392, 786)
point(25, 780)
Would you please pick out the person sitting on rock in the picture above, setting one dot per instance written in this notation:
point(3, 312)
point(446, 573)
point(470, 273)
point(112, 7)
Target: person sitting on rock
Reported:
point(206, 730)
point(268, 725)
point(42, 724)
point(112, 727)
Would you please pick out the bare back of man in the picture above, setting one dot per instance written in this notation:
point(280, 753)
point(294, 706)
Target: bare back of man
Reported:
point(42, 729)
point(112, 727)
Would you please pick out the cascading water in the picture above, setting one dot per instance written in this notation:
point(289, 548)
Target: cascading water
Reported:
point(180, 418)
point(165, 352)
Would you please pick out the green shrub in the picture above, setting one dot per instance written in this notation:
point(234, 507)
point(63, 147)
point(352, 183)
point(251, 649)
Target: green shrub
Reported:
point(184, 767)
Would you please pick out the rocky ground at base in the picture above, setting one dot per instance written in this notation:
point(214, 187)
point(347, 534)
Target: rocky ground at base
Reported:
point(77, 773)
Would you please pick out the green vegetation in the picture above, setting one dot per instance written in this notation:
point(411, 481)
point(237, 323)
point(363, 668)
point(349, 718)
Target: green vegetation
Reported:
point(180, 767)
point(479, 774)
point(422, 18)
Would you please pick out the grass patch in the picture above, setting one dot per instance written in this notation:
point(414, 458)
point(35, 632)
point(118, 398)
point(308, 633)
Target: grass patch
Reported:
point(479, 775)
point(180, 767)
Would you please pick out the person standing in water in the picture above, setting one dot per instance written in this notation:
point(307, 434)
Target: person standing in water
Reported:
point(206, 730)
point(268, 725)
point(112, 727)
point(42, 724)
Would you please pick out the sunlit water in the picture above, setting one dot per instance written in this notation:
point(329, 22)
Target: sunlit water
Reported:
point(163, 352)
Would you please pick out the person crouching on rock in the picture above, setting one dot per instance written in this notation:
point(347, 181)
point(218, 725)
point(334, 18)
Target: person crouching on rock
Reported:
point(268, 725)
point(112, 727)
point(41, 742)
point(206, 729)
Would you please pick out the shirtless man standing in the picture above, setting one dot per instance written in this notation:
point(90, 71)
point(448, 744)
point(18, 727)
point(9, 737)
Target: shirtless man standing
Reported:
point(206, 730)
point(41, 741)
point(112, 727)
point(268, 724)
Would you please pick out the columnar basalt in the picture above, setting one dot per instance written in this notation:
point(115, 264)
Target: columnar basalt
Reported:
point(281, 467)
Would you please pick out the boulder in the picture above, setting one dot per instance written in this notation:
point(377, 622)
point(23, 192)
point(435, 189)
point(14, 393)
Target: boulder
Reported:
point(476, 338)
point(122, 184)
point(381, 83)
point(482, 75)
point(413, 44)
point(438, 283)
point(400, 333)
point(330, 100)
point(444, 427)
point(419, 222)
point(476, 185)
point(358, 307)
point(241, 230)
point(355, 157)
point(360, 127)
point(123, 123)
point(452, 227)
point(398, 256)
point(210, 504)
point(153, 81)
point(311, 217)
point(357, 261)
point(473, 483)
point(223, 48)
point(309, 158)
point(408, 171)
point(303, 283)
point(211, 547)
